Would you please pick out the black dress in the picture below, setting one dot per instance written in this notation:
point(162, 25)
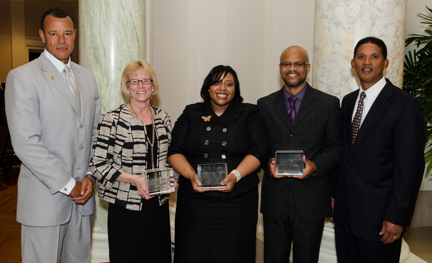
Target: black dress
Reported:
point(140, 236)
point(216, 226)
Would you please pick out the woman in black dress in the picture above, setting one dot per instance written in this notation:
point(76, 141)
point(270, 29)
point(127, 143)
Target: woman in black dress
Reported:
point(130, 139)
point(218, 225)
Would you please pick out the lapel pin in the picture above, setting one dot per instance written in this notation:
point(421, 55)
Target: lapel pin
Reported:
point(52, 78)
point(206, 118)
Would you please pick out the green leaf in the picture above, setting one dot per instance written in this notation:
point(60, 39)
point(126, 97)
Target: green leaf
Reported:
point(417, 78)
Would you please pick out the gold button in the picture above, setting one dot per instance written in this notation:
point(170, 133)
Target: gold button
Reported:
point(224, 143)
point(223, 156)
point(224, 129)
point(208, 128)
point(206, 142)
point(205, 155)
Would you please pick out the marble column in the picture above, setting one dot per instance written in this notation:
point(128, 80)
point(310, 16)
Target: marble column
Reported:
point(339, 25)
point(111, 34)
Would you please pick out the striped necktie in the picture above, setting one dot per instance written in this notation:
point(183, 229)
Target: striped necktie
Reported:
point(357, 118)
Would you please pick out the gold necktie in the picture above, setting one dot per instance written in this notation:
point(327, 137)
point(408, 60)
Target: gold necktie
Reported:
point(73, 85)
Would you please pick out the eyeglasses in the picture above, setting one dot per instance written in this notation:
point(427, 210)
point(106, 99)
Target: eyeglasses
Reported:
point(297, 64)
point(136, 81)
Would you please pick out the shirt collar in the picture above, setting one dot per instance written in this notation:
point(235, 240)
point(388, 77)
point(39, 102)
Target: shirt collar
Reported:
point(372, 92)
point(299, 95)
point(57, 63)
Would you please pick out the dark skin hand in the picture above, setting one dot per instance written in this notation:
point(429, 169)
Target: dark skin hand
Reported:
point(390, 232)
point(82, 191)
point(76, 191)
point(229, 181)
point(307, 171)
point(196, 183)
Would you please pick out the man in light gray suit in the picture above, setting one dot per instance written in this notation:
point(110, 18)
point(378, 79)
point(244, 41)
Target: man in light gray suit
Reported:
point(52, 108)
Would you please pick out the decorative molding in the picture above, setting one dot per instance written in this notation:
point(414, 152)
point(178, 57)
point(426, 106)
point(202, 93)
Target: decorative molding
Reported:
point(34, 42)
point(17, 1)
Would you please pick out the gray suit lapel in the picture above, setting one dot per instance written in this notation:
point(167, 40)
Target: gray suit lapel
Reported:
point(55, 79)
point(280, 108)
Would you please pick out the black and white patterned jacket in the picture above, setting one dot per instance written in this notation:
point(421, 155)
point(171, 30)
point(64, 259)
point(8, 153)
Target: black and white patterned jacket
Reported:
point(120, 145)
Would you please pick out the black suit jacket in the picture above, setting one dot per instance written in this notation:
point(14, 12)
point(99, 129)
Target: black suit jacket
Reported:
point(226, 139)
point(380, 175)
point(316, 131)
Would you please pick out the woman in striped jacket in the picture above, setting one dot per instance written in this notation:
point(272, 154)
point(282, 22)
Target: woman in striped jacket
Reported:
point(130, 139)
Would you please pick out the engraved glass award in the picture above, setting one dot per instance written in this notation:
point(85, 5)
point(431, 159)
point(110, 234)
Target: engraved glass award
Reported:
point(289, 163)
point(159, 180)
point(211, 175)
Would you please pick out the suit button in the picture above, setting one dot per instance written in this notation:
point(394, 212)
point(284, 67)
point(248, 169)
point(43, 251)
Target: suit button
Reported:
point(223, 156)
point(208, 128)
point(349, 163)
point(205, 155)
point(206, 142)
point(81, 147)
point(224, 143)
point(82, 126)
point(224, 129)
point(291, 135)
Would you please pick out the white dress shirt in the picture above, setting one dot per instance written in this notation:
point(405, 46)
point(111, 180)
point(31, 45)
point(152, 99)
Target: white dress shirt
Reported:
point(371, 95)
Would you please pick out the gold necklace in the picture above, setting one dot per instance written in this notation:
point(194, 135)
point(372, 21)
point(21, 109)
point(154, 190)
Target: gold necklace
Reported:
point(153, 133)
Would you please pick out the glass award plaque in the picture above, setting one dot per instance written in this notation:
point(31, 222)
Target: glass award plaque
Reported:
point(211, 175)
point(159, 180)
point(289, 163)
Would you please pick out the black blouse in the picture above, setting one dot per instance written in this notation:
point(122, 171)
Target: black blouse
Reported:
point(203, 137)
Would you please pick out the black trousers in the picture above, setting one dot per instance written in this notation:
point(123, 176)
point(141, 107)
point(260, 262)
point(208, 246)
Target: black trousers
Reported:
point(139, 236)
point(212, 230)
point(351, 249)
point(289, 228)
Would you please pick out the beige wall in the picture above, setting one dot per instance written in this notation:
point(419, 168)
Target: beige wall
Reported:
point(189, 37)
point(5, 39)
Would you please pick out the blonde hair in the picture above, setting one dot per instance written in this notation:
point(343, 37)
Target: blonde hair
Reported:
point(130, 69)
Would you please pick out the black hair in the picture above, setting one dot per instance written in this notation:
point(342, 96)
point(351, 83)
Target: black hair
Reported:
point(55, 12)
point(372, 40)
point(215, 76)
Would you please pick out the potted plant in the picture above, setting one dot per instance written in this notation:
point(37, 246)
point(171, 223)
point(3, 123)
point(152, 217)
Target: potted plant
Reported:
point(417, 79)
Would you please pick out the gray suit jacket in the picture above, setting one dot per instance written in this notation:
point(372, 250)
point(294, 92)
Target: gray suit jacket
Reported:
point(50, 137)
point(316, 131)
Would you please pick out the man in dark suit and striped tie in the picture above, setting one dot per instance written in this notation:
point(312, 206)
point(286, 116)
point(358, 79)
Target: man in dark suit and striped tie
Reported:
point(298, 117)
point(376, 184)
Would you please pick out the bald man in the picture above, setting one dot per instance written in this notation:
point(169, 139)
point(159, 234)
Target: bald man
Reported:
point(298, 117)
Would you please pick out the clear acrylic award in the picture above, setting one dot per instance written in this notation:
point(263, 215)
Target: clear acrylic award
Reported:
point(159, 180)
point(211, 175)
point(289, 163)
